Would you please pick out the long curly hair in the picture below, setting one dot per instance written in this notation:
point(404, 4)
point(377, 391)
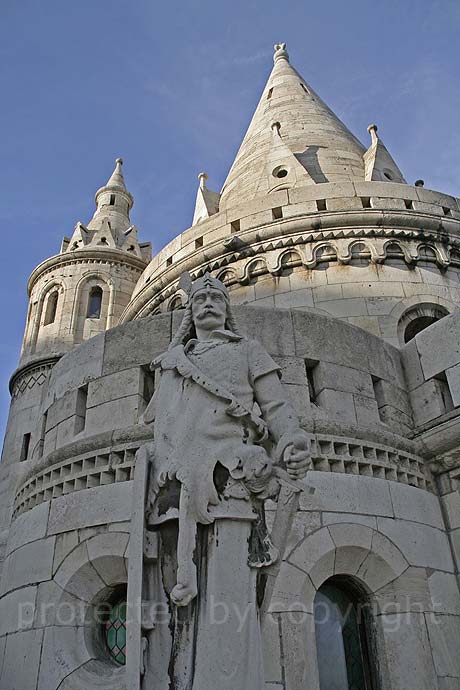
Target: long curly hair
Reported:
point(186, 330)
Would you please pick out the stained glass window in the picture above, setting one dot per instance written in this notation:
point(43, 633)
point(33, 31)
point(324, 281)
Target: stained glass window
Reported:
point(115, 632)
point(341, 643)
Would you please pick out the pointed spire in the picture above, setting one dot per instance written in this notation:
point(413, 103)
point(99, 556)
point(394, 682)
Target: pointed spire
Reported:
point(114, 203)
point(310, 131)
point(207, 202)
point(116, 180)
point(378, 163)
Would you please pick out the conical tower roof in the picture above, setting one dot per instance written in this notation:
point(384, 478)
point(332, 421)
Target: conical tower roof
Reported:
point(311, 133)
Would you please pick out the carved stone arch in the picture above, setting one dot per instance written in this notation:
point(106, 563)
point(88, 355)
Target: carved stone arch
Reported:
point(227, 276)
point(254, 268)
point(92, 278)
point(361, 553)
point(37, 317)
point(85, 579)
point(325, 253)
point(418, 317)
point(454, 257)
point(395, 251)
point(360, 253)
point(426, 253)
point(175, 303)
point(288, 260)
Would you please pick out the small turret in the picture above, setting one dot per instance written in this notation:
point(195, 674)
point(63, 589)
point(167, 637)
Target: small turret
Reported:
point(379, 165)
point(84, 289)
point(207, 202)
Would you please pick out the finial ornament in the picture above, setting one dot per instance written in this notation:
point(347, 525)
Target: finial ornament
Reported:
point(372, 129)
point(202, 178)
point(119, 161)
point(280, 52)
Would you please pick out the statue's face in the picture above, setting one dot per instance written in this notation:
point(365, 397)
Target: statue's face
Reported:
point(209, 309)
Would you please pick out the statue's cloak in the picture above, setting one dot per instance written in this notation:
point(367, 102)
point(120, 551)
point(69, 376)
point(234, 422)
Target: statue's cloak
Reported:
point(195, 427)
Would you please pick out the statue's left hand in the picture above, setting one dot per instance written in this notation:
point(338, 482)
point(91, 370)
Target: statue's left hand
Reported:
point(297, 458)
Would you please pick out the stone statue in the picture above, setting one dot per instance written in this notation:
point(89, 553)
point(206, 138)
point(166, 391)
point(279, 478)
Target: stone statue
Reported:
point(225, 440)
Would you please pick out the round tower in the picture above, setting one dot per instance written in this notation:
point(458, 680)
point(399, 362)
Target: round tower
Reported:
point(347, 276)
point(73, 296)
point(308, 218)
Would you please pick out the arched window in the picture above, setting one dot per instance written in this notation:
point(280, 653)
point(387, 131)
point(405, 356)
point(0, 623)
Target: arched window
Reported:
point(51, 307)
point(418, 318)
point(94, 303)
point(342, 637)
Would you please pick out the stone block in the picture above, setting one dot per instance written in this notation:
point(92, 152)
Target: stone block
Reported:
point(312, 550)
point(300, 209)
point(271, 648)
point(28, 527)
point(439, 346)
point(59, 608)
point(337, 518)
point(298, 641)
point(338, 405)
point(367, 412)
point(118, 385)
point(136, 343)
point(408, 652)
point(453, 380)
point(335, 376)
point(327, 190)
point(297, 299)
point(293, 590)
point(116, 414)
point(77, 576)
point(347, 493)
point(387, 203)
point(76, 368)
point(408, 592)
point(370, 324)
point(65, 543)
point(411, 364)
point(428, 402)
point(417, 505)
point(421, 545)
point(30, 564)
point(452, 505)
point(292, 370)
point(22, 661)
point(88, 507)
point(273, 329)
point(397, 421)
point(346, 307)
point(385, 189)
point(17, 610)
point(62, 409)
point(444, 632)
point(106, 552)
point(64, 650)
point(444, 592)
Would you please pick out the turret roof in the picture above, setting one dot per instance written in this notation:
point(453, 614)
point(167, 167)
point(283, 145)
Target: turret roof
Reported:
point(312, 135)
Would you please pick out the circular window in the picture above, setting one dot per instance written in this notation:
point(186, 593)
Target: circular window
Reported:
point(388, 175)
point(280, 172)
point(115, 631)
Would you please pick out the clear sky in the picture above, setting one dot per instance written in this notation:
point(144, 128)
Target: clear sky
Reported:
point(171, 87)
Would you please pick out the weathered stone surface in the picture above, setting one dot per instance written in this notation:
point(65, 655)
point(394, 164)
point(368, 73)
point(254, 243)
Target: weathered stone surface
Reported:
point(22, 660)
point(95, 506)
point(28, 527)
point(30, 564)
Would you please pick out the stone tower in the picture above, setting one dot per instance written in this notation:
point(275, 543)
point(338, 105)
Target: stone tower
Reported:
point(350, 278)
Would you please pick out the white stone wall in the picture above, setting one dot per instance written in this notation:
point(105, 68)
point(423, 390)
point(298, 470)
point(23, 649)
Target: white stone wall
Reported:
point(374, 513)
point(327, 247)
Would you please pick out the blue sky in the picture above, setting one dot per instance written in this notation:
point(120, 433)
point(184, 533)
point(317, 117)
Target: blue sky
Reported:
point(171, 87)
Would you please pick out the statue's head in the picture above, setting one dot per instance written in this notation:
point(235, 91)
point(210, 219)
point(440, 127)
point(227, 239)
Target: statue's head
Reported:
point(208, 308)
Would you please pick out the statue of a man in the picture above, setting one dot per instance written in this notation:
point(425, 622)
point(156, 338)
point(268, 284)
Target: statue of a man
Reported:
point(224, 433)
